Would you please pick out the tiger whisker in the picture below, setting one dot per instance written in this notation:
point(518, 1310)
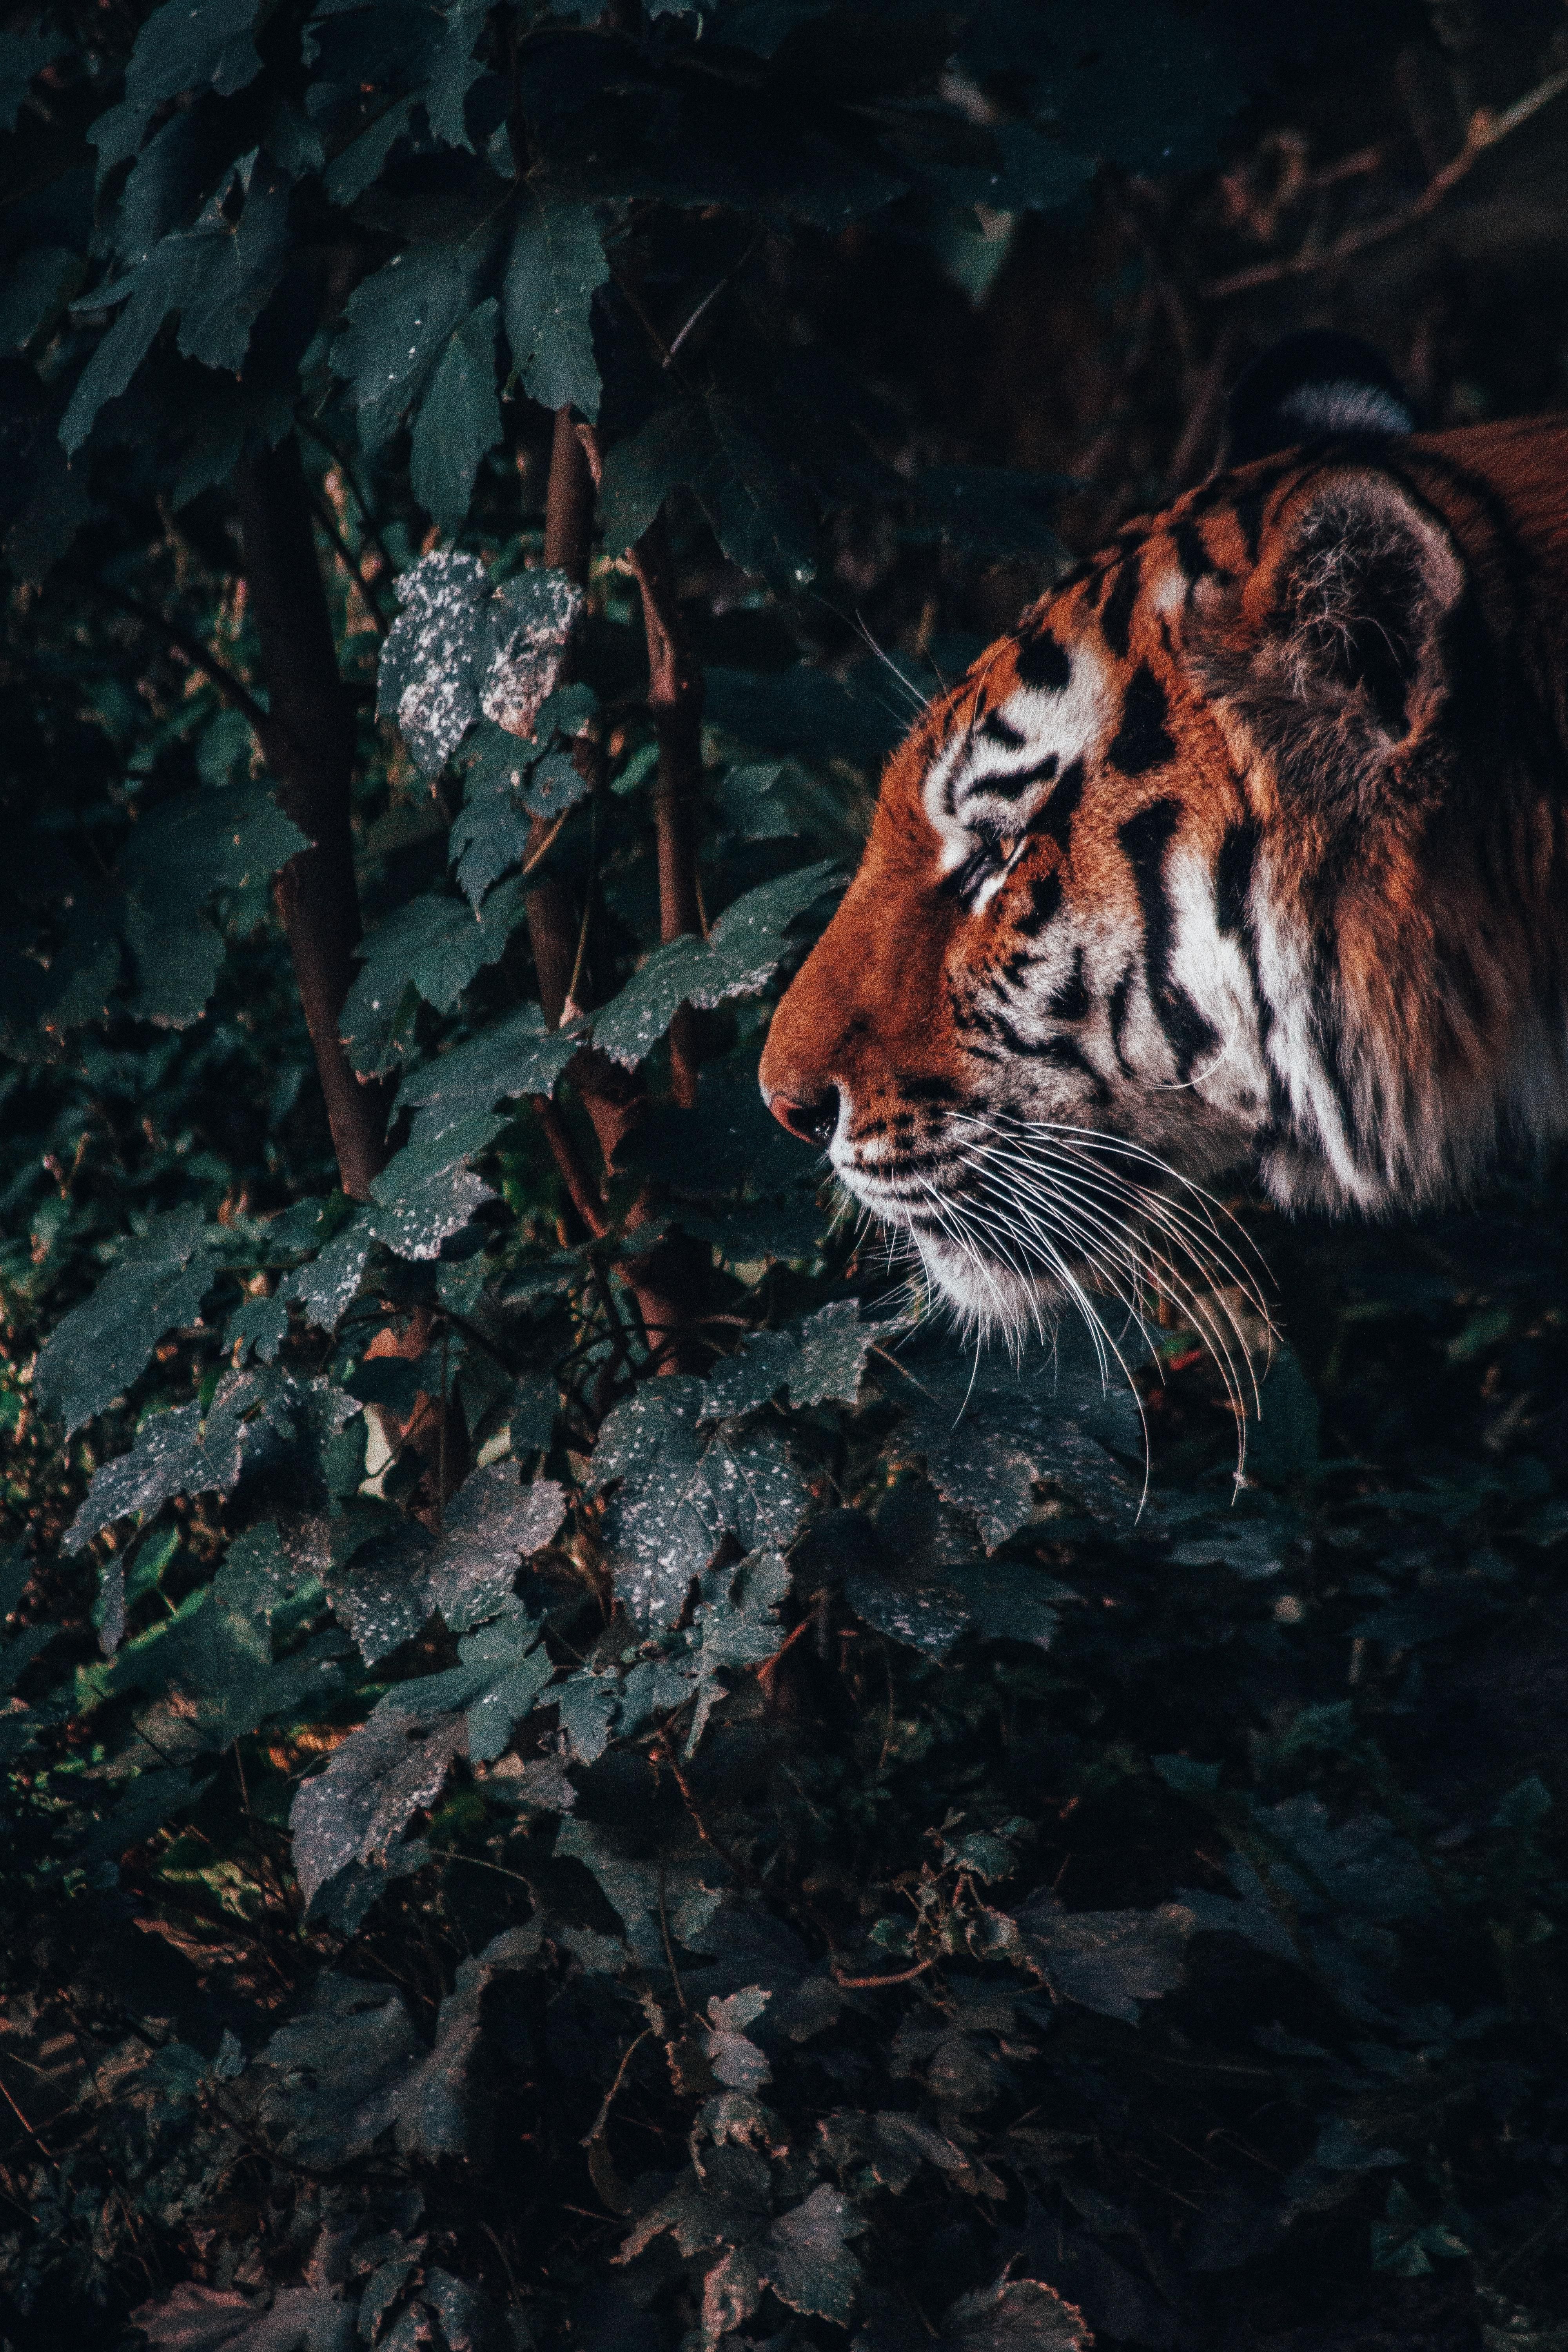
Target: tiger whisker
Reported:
point(1051, 1171)
point(1193, 1220)
point(1100, 1339)
point(1152, 1271)
point(1149, 1207)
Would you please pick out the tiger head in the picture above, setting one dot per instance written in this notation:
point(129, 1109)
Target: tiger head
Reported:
point(1244, 852)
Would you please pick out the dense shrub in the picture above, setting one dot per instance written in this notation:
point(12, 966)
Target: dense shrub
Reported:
point(577, 1769)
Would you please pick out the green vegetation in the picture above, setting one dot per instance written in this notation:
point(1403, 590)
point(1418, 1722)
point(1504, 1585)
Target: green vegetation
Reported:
point(577, 1773)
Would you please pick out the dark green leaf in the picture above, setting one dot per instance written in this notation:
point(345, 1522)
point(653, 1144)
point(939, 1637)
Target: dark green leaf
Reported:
point(988, 1433)
point(432, 945)
point(460, 419)
point(389, 1589)
point(101, 1347)
point(681, 1491)
point(805, 2257)
point(383, 1774)
point(455, 72)
point(513, 1057)
point(398, 324)
point(352, 2071)
point(1016, 2314)
point(1107, 1960)
point(762, 511)
point(821, 1359)
point(22, 57)
point(556, 261)
point(420, 1201)
point(735, 2060)
point(175, 1453)
point(193, 45)
point(740, 956)
point(218, 277)
point(326, 1285)
point(490, 831)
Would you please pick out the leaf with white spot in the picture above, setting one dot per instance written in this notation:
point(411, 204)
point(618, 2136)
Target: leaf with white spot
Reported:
point(805, 2257)
point(736, 2061)
point(463, 648)
point(991, 1432)
point(389, 1588)
point(98, 1351)
point(681, 1491)
point(821, 1359)
point(739, 956)
point(383, 1774)
point(1107, 1960)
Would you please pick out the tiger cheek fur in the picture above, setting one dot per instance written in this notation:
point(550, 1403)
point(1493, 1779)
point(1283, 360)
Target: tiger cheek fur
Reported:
point(1246, 850)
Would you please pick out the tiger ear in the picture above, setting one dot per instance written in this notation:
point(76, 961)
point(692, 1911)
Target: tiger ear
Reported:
point(1334, 653)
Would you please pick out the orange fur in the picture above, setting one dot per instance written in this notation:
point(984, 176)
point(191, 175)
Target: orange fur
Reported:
point(1290, 885)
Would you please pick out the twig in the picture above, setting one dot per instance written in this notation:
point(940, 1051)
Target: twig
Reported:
point(31, 2129)
point(478, 1861)
point(730, 1860)
point(904, 1976)
point(367, 511)
point(537, 855)
point(307, 736)
point(769, 1666)
point(664, 1931)
point(581, 957)
point(1485, 131)
point(675, 697)
point(441, 1431)
point(568, 1160)
point(709, 300)
point(328, 522)
point(607, 2180)
point(505, 2263)
point(638, 310)
point(191, 646)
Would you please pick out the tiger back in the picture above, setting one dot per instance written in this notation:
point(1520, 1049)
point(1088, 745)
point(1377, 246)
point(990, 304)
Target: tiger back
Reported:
point(1246, 849)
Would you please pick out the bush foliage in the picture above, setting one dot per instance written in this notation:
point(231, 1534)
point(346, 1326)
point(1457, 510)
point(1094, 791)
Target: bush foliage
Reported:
point(579, 1771)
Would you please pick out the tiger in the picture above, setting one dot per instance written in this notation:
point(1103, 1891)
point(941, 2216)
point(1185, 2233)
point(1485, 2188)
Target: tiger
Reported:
point(1244, 855)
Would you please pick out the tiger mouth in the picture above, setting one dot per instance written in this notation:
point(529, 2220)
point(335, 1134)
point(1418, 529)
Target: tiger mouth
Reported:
point(1018, 1223)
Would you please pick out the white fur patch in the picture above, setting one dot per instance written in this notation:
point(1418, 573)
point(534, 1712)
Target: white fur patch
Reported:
point(1345, 406)
point(1069, 724)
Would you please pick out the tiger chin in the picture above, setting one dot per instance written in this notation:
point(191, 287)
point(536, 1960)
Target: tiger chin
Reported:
point(1246, 852)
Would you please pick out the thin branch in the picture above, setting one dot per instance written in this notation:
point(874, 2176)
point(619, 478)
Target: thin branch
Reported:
point(31, 2129)
point(770, 1666)
point(859, 1984)
point(675, 697)
point(184, 640)
point(720, 287)
point(537, 855)
point(638, 310)
point(367, 512)
point(1485, 130)
point(569, 1160)
point(666, 1747)
point(601, 2165)
point(346, 557)
point(308, 735)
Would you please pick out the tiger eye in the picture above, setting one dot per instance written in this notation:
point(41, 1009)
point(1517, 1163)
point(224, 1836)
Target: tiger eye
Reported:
point(1004, 848)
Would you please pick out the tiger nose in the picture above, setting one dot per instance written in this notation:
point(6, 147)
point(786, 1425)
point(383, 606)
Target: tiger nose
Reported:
point(812, 1122)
